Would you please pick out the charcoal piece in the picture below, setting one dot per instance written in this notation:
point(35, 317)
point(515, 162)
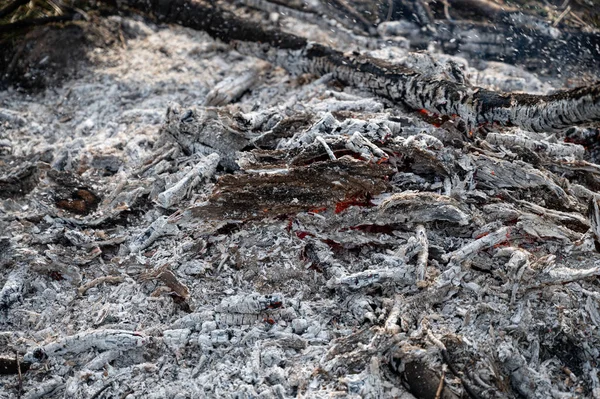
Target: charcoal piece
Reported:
point(6, 251)
point(10, 365)
point(70, 193)
point(82, 202)
point(12, 290)
point(423, 382)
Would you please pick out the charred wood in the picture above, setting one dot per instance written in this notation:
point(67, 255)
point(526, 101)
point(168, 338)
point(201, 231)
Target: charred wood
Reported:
point(297, 189)
point(475, 105)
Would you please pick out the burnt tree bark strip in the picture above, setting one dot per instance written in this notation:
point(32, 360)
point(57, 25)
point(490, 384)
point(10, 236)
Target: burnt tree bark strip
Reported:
point(475, 105)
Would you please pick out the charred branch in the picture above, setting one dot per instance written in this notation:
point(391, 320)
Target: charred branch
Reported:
point(28, 23)
point(475, 105)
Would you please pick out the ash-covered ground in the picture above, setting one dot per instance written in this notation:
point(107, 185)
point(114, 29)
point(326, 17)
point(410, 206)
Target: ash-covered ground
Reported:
point(178, 220)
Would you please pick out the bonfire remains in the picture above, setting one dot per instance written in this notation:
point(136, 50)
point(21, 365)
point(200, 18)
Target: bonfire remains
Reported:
point(287, 199)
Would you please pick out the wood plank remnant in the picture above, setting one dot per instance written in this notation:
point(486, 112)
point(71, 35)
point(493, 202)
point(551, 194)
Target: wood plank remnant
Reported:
point(314, 187)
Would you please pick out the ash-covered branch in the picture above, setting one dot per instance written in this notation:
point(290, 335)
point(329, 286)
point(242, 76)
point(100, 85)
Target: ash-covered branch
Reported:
point(423, 254)
point(487, 241)
point(202, 170)
point(401, 276)
point(400, 84)
point(95, 339)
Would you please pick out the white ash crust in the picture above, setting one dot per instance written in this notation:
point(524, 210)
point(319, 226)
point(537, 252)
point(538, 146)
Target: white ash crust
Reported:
point(324, 303)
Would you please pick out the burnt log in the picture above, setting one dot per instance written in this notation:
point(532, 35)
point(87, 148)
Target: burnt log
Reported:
point(476, 106)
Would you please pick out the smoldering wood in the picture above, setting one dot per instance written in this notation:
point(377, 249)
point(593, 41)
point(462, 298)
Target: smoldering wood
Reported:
point(292, 190)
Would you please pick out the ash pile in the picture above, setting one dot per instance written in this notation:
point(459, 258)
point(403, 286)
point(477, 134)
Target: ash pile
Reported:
point(180, 219)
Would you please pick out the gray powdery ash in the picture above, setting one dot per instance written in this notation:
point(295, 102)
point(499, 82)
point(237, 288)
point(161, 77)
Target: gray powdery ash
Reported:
point(182, 221)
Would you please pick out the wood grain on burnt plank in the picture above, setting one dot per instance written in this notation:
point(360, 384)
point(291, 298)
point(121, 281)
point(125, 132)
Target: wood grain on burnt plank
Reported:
point(313, 187)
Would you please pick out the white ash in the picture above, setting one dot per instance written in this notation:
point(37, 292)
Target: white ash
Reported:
point(312, 304)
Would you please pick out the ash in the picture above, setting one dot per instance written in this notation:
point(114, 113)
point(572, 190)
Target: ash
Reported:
point(181, 221)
